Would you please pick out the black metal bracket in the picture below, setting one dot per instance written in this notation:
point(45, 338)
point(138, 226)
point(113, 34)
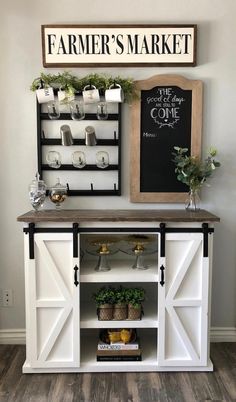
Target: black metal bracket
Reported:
point(163, 239)
point(75, 229)
point(75, 240)
point(205, 231)
point(121, 229)
point(31, 240)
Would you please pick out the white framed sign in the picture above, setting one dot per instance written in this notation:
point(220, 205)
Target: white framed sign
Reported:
point(119, 45)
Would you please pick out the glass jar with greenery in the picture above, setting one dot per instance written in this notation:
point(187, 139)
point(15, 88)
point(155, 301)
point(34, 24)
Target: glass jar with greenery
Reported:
point(194, 172)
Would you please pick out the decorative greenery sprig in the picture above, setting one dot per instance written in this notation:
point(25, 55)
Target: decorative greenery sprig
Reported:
point(109, 295)
point(191, 170)
point(120, 294)
point(105, 295)
point(135, 296)
point(71, 83)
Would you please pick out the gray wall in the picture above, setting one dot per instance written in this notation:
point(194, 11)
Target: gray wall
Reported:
point(21, 62)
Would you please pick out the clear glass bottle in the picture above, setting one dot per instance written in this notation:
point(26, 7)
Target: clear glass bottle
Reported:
point(193, 201)
point(58, 193)
point(37, 192)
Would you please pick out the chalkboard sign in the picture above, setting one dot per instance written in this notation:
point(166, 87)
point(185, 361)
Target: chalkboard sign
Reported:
point(167, 114)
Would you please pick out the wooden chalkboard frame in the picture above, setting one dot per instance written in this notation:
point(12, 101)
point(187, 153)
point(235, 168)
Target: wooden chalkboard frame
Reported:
point(196, 133)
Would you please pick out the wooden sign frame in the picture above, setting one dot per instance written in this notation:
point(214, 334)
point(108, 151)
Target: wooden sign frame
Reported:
point(119, 45)
point(196, 87)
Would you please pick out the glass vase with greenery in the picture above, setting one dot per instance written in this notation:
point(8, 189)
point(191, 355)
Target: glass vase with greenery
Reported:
point(194, 172)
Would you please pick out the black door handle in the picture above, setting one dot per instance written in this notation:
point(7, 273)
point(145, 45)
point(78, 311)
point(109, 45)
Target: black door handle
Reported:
point(162, 281)
point(75, 275)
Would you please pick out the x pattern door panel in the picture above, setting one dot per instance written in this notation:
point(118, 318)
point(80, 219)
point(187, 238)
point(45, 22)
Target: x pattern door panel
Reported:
point(183, 302)
point(53, 314)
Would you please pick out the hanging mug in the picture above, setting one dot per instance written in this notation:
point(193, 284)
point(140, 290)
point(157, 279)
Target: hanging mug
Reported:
point(114, 94)
point(65, 96)
point(45, 95)
point(90, 94)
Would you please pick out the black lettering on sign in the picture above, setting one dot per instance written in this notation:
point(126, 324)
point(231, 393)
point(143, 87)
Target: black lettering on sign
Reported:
point(166, 114)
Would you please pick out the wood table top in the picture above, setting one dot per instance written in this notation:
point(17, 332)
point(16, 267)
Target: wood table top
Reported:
point(117, 215)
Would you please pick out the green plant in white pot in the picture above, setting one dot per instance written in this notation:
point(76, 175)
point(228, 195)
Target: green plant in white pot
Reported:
point(134, 298)
point(104, 299)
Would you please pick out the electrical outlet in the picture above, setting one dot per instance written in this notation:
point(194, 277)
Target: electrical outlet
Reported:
point(7, 297)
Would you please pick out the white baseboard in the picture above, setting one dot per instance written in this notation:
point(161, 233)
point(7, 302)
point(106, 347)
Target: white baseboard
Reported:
point(17, 336)
point(223, 334)
point(12, 336)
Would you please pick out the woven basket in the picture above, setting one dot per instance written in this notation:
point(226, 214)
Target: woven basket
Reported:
point(105, 312)
point(120, 312)
point(134, 313)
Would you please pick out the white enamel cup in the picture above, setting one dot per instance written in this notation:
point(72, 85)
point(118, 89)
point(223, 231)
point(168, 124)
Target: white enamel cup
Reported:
point(90, 94)
point(45, 95)
point(63, 96)
point(114, 94)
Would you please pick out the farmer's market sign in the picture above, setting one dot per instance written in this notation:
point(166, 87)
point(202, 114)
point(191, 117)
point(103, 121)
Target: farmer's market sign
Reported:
point(118, 45)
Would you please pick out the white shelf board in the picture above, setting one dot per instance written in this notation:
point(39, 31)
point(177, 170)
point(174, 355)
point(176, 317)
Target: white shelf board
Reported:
point(149, 357)
point(121, 271)
point(89, 319)
point(124, 367)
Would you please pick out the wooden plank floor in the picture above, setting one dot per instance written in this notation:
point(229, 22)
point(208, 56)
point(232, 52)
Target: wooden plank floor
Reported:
point(118, 387)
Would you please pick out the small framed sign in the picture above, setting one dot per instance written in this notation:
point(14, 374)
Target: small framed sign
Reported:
point(119, 45)
point(167, 113)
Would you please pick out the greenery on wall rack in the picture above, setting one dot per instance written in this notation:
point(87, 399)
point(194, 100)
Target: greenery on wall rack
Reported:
point(71, 83)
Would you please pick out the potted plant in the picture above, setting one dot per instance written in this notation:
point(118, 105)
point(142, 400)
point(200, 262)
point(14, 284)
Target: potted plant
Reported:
point(104, 299)
point(120, 306)
point(194, 172)
point(134, 298)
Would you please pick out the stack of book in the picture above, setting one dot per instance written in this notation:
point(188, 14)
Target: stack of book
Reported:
point(119, 351)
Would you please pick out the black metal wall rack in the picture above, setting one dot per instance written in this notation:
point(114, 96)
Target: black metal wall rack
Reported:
point(115, 141)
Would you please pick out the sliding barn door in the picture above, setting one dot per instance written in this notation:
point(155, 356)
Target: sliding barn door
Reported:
point(183, 302)
point(52, 303)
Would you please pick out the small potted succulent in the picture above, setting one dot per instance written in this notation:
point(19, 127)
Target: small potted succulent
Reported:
point(134, 298)
point(120, 305)
point(104, 299)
